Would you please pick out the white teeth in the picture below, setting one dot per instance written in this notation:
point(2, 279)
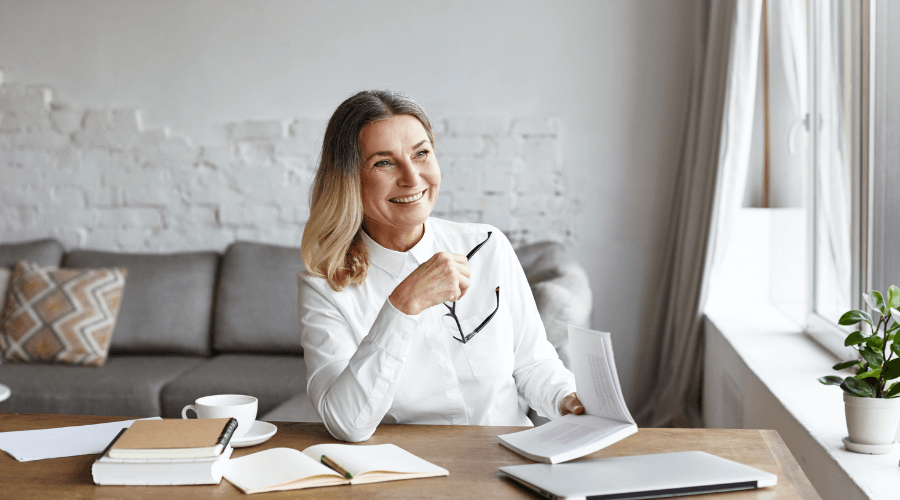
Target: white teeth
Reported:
point(408, 200)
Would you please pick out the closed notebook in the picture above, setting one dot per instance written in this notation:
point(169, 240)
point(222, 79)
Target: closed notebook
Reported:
point(175, 438)
point(280, 469)
point(159, 471)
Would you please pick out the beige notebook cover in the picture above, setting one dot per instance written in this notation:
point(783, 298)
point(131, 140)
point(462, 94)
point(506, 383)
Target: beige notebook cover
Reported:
point(146, 438)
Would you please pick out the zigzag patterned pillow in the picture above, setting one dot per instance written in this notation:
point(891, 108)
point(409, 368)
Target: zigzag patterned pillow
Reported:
point(60, 315)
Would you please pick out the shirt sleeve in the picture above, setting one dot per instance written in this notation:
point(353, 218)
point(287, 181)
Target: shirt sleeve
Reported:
point(351, 382)
point(540, 376)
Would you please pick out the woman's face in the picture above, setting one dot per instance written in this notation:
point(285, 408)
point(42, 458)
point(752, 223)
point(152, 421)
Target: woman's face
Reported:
point(400, 180)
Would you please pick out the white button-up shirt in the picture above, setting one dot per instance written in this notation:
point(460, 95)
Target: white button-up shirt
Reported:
point(368, 363)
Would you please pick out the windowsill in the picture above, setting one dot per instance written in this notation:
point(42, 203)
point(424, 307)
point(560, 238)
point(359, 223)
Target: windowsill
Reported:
point(761, 372)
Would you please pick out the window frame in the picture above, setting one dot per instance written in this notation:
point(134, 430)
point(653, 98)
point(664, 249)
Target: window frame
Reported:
point(825, 330)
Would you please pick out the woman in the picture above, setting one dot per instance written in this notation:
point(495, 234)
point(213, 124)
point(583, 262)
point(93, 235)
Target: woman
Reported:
point(398, 325)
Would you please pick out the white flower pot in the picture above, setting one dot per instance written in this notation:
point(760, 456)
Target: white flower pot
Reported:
point(872, 421)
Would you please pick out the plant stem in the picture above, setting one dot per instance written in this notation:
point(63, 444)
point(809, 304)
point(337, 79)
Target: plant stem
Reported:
point(879, 393)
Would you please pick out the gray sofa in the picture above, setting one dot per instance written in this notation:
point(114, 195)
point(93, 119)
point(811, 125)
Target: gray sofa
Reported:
point(199, 323)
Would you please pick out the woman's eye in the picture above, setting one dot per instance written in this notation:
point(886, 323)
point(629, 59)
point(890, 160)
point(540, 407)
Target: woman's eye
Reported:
point(382, 163)
point(422, 153)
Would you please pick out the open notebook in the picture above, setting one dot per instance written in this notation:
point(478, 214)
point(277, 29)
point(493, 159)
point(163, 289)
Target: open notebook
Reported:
point(279, 469)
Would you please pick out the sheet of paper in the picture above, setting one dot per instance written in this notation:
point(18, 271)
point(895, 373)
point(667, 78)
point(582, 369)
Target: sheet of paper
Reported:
point(594, 368)
point(41, 444)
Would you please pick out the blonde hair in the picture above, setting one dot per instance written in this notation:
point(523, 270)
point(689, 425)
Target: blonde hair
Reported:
point(332, 246)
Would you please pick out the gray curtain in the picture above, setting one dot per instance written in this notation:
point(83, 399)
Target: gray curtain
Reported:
point(712, 175)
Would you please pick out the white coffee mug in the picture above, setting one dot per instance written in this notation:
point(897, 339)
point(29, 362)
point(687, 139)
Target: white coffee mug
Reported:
point(243, 408)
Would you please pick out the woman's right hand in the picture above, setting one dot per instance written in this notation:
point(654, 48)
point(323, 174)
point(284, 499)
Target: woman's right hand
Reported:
point(442, 278)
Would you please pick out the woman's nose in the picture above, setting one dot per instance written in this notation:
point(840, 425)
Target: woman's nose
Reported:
point(409, 174)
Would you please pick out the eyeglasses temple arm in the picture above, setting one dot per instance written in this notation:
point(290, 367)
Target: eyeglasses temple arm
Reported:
point(489, 318)
point(476, 249)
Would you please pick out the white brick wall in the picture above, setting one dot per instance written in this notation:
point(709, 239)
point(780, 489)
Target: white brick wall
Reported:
point(95, 178)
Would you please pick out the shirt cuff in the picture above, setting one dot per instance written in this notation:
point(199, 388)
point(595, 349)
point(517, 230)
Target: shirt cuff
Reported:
point(393, 330)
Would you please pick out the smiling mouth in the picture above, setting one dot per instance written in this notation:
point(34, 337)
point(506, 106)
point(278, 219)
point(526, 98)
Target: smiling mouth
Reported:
point(409, 199)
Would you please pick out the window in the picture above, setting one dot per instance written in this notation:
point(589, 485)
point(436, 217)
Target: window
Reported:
point(827, 106)
point(840, 116)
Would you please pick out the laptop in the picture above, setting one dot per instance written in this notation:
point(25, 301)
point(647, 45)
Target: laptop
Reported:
point(640, 476)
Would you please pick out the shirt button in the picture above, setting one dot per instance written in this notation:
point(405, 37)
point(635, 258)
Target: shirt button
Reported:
point(405, 336)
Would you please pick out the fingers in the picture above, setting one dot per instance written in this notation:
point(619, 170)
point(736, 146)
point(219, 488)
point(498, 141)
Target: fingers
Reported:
point(453, 274)
point(576, 406)
point(444, 277)
point(571, 404)
point(463, 284)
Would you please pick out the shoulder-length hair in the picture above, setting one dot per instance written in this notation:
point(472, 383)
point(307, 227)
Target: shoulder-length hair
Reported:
point(332, 246)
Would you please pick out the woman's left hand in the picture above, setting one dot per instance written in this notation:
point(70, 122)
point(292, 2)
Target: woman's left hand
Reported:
point(570, 404)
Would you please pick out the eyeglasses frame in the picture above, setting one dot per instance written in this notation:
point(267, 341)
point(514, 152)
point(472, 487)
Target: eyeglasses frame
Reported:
point(452, 308)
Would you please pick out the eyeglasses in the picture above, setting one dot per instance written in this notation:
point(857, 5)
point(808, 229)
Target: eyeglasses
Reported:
point(450, 319)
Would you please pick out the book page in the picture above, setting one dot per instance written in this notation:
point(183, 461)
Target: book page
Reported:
point(278, 469)
point(596, 378)
point(564, 434)
point(361, 459)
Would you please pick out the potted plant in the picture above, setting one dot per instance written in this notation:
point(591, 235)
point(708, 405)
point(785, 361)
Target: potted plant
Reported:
point(870, 399)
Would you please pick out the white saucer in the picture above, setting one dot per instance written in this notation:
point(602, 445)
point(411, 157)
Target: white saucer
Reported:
point(259, 433)
point(869, 449)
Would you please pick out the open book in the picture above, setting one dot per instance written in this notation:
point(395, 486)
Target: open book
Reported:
point(279, 469)
point(605, 420)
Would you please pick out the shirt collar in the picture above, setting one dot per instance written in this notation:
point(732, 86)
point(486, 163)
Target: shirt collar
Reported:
point(391, 261)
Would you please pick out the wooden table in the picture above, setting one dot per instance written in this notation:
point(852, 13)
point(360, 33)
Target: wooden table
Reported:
point(472, 454)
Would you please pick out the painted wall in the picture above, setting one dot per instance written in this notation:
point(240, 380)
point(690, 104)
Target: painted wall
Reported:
point(613, 75)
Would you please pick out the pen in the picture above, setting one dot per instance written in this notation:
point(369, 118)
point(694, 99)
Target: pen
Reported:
point(340, 470)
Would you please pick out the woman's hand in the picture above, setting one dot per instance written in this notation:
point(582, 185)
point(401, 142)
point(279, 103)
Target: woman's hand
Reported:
point(442, 278)
point(570, 404)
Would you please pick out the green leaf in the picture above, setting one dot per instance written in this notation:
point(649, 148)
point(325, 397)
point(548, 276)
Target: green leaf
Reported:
point(892, 369)
point(875, 342)
point(845, 365)
point(855, 316)
point(871, 373)
point(893, 297)
point(831, 380)
point(895, 314)
point(855, 338)
point(857, 387)
point(893, 391)
point(895, 349)
point(882, 307)
point(875, 301)
point(873, 358)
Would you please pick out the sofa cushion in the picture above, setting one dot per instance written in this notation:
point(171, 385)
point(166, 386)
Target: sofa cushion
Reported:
point(561, 291)
point(167, 307)
point(296, 409)
point(5, 275)
point(46, 252)
point(125, 386)
point(256, 305)
point(270, 378)
point(60, 315)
